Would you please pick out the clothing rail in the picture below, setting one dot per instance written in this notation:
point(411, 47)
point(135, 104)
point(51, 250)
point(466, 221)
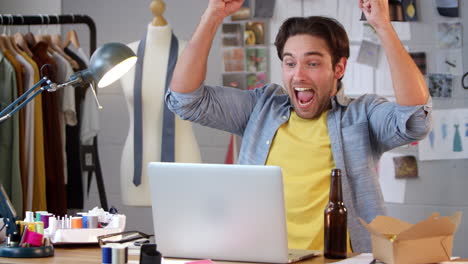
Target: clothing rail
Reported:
point(7, 19)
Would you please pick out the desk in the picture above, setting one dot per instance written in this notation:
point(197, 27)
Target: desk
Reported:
point(84, 255)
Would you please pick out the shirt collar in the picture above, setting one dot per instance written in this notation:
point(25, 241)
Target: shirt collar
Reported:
point(340, 98)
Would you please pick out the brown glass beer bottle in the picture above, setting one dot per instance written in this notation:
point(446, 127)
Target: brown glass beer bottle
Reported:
point(335, 220)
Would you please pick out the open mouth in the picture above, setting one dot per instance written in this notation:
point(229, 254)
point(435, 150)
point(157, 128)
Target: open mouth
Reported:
point(304, 96)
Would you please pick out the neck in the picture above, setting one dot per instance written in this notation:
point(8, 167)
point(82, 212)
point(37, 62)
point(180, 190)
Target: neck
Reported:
point(158, 34)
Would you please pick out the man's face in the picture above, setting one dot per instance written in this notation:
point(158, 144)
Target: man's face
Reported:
point(308, 74)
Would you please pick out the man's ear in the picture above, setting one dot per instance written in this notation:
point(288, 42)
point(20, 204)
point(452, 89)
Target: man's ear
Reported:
point(340, 67)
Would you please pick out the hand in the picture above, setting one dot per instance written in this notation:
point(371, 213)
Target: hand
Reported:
point(376, 12)
point(224, 8)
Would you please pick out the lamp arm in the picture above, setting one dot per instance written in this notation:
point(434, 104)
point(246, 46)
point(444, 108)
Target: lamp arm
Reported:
point(5, 114)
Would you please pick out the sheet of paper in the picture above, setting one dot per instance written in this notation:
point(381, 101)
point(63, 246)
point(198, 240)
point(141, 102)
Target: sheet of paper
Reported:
point(349, 15)
point(359, 259)
point(369, 53)
point(393, 189)
point(403, 29)
point(321, 8)
point(358, 78)
point(450, 61)
point(448, 138)
point(449, 35)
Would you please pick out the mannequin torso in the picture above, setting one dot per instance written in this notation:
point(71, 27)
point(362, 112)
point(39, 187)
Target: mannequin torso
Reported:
point(158, 42)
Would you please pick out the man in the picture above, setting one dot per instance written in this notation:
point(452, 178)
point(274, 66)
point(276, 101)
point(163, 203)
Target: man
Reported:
point(314, 127)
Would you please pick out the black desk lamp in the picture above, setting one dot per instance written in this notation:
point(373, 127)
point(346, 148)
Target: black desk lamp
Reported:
point(107, 64)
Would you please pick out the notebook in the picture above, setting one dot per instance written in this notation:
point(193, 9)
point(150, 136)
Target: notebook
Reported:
point(220, 212)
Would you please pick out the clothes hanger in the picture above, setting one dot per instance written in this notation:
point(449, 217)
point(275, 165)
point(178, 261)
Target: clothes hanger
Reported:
point(72, 37)
point(21, 41)
point(158, 7)
point(55, 45)
point(11, 38)
point(2, 45)
point(6, 41)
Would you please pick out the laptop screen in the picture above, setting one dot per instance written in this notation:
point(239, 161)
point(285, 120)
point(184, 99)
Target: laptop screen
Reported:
point(217, 211)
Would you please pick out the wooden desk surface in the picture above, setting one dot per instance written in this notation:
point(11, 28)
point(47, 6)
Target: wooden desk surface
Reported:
point(84, 255)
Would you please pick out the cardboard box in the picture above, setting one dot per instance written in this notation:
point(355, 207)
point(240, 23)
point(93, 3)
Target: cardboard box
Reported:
point(398, 242)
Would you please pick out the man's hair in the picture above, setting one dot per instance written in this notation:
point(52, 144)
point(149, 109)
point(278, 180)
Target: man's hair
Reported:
point(328, 29)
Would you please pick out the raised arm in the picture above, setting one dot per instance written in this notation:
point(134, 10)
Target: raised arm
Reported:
point(190, 71)
point(408, 82)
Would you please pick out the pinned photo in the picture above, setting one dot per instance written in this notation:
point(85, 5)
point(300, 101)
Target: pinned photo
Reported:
point(256, 59)
point(440, 85)
point(254, 33)
point(243, 13)
point(234, 80)
point(232, 35)
point(449, 35)
point(256, 80)
point(405, 167)
point(419, 59)
point(234, 59)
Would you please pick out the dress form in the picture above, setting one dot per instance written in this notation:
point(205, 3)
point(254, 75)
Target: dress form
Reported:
point(158, 40)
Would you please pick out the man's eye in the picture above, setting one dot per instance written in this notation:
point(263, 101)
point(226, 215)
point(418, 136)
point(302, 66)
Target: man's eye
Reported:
point(290, 64)
point(313, 64)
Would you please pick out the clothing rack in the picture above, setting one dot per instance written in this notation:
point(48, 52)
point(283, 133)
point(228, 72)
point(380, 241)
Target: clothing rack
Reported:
point(7, 19)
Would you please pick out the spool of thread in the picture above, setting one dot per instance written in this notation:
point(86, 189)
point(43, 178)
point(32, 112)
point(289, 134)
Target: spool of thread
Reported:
point(119, 255)
point(38, 215)
point(92, 221)
point(52, 225)
point(29, 216)
point(39, 227)
point(106, 254)
point(44, 218)
point(85, 221)
point(77, 222)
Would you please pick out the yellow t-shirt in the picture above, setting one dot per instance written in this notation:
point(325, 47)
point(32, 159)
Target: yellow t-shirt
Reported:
point(302, 149)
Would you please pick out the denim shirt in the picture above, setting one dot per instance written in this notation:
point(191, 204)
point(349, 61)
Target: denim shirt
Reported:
point(360, 131)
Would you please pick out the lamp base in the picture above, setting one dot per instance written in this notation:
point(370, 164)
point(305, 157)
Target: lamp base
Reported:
point(26, 252)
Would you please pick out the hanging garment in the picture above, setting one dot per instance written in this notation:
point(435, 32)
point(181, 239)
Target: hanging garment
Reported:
point(75, 189)
point(28, 146)
point(39, 202)
point(10, 175)
point(55, 185)
point(168, 135)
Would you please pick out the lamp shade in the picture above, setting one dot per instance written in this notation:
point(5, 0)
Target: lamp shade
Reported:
point(108, 63)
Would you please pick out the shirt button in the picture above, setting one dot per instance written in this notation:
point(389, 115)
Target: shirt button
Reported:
point(268, 142)
point(284, 117)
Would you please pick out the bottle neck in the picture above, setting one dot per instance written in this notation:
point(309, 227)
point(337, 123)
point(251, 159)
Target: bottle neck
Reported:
point(336, 194)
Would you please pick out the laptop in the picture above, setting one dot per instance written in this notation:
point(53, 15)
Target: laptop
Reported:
point(221, 212)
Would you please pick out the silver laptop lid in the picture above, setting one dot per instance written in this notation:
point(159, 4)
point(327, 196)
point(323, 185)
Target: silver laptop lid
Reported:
point(217, 211)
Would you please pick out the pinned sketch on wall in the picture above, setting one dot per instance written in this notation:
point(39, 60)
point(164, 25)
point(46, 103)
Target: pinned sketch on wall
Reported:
point(393, 188)
point(448, 138)
point(449, 35)
point(420, 59)
point(358, 78)
point(440, 85)
point(369, 53)
point(450, 62)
